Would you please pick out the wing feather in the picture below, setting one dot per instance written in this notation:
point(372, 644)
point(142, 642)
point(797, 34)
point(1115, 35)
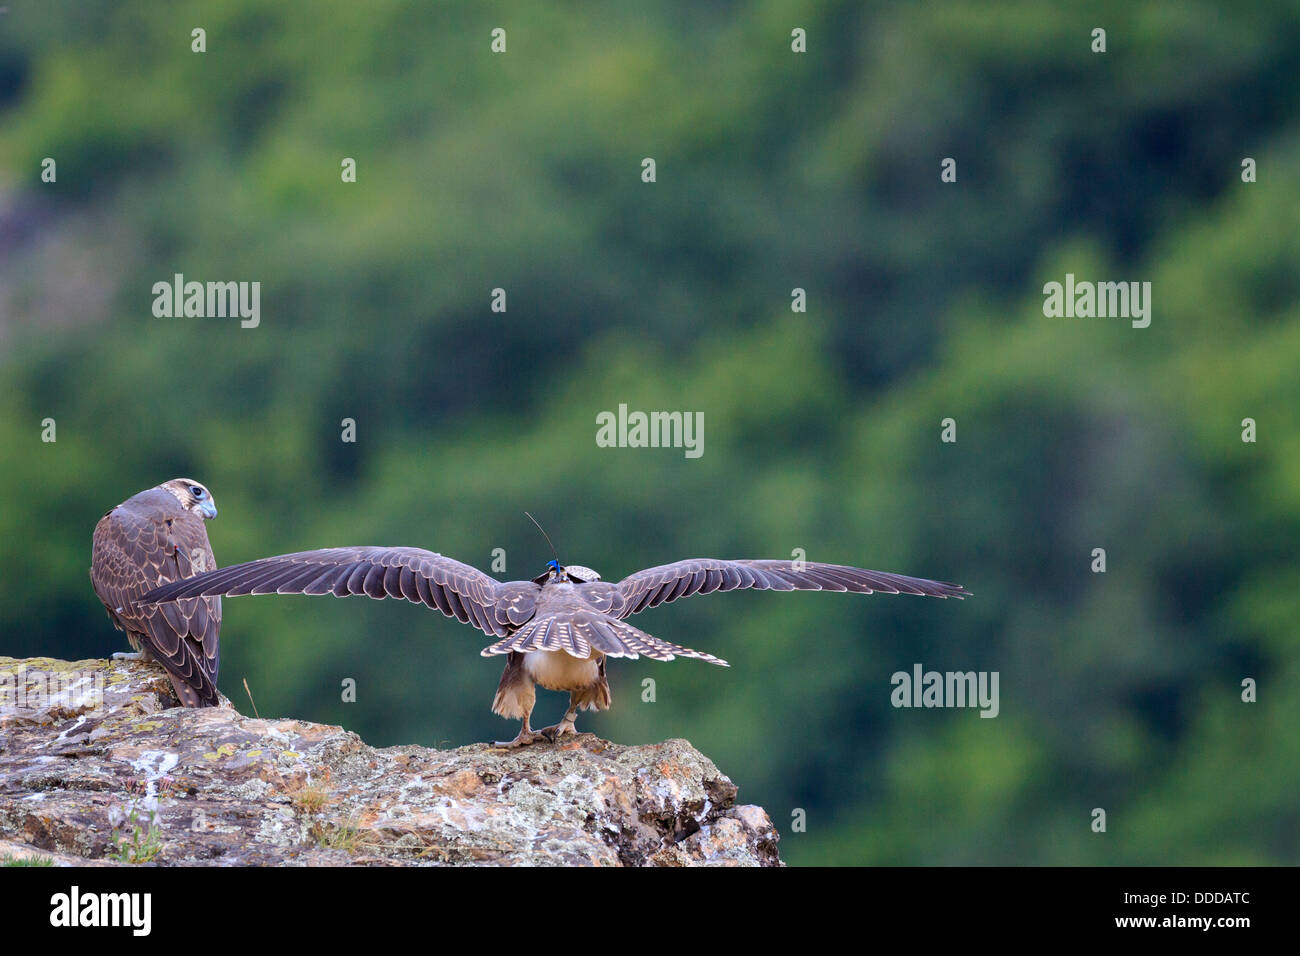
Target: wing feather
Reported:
point(661, 585)
point(409, 574)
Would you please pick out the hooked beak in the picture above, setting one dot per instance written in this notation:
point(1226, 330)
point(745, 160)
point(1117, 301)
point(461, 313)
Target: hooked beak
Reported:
point(208, 509)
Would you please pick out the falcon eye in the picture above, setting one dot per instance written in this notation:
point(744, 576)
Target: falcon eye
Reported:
point(198, 492)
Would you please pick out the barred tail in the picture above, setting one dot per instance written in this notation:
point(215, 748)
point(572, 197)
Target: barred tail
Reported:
point(578, 634)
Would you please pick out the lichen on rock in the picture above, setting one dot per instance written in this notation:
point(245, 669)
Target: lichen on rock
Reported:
point(98, 764)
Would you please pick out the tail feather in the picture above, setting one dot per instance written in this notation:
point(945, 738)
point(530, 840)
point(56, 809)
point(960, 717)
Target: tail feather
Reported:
point(577, 634)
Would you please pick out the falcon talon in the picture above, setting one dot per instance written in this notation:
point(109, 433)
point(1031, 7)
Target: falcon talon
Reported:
point(523, 740)
point(563, 728)
point(557, 630)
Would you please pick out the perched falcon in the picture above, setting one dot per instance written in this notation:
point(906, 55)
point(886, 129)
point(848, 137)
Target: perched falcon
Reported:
point(152, 538)
point(555, 630)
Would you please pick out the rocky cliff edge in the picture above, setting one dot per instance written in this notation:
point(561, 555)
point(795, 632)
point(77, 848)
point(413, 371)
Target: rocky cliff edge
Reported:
point(99, 766)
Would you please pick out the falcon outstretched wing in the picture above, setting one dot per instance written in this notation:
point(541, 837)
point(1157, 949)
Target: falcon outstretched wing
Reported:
point(410, 574)
point(668, 582)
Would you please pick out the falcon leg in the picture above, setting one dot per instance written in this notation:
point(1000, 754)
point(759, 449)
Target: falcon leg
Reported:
point(515, 698)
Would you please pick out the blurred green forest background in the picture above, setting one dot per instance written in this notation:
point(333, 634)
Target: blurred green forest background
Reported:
point(775, 170)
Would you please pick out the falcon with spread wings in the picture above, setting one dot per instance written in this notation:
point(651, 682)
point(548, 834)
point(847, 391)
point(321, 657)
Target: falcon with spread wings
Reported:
point(556, 630)
point(150, 539)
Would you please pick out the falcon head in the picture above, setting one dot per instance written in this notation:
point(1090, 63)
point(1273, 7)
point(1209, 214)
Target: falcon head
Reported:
point(574, 573)
point(192, 496)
